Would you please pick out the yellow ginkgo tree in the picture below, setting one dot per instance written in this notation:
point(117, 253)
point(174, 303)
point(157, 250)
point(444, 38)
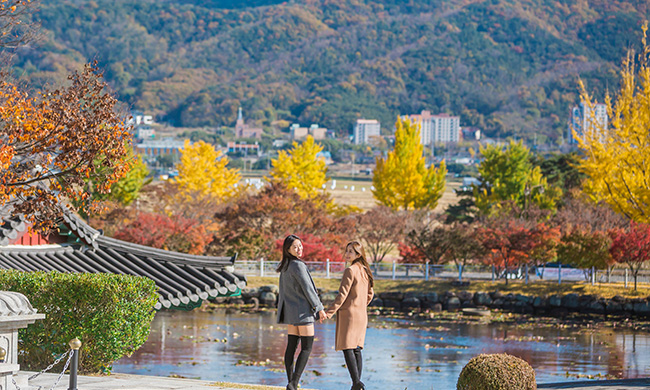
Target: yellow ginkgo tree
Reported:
point(300, 169)
point(402, 180)
point(617, 157)
point(203, 172)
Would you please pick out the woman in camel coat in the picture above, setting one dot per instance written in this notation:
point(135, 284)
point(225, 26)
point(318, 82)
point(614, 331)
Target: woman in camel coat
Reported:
point(355, 294)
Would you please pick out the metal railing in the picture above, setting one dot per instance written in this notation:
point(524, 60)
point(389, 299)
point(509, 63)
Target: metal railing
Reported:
point(72, 362)
point(404, 271)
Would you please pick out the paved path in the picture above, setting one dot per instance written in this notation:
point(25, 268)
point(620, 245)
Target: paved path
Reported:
point(131, 382)
point(624, 384)
point(143, 382)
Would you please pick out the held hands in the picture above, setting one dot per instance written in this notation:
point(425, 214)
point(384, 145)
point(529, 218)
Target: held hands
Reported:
point(322, 316)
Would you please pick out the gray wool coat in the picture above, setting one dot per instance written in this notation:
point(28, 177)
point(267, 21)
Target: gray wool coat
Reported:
point(298, 299)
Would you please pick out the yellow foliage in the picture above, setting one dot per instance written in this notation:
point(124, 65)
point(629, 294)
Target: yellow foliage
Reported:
point(403, 180)
point(300, 169)
point(203, 172)
point(616, 159)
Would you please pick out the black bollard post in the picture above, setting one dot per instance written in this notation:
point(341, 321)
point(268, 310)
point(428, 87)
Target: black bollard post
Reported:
point(75, 344)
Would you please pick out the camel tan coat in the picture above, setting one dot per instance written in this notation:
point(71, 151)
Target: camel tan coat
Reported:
point(351, 304)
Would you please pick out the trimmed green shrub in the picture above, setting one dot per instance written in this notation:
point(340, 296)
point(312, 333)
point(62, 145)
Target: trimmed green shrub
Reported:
point(497, 372)
point(110, 314)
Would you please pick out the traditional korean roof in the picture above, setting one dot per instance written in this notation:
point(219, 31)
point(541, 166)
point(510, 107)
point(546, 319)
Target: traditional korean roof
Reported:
point(183, 280)
point(10, 228)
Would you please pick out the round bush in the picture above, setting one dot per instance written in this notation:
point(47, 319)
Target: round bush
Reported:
point(497, 372)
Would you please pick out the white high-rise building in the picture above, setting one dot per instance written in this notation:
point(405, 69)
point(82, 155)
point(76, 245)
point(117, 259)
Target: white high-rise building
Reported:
point(364, 129)
point(583, 119)
point(437, 128)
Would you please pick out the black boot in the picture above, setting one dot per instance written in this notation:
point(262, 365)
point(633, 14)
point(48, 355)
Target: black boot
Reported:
point(306, 343)
point(359, 358)
point(292, 345)
point(351, 362)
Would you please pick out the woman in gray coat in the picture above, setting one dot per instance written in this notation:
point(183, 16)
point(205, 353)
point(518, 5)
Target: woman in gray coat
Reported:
point(298, 307)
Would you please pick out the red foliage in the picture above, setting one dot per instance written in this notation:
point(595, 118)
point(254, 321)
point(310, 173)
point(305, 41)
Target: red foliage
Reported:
point(316, 249)
point(512, 242)
point(253, 224)
point(160, 231)
point(631, 247)
point(410, 254)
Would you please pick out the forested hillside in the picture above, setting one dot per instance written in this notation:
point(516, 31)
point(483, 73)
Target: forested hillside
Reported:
point(507, 66)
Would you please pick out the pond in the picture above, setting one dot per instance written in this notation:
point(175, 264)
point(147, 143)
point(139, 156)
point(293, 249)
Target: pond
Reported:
point(231, 346)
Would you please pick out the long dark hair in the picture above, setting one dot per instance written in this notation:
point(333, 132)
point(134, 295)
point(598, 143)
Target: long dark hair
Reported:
point(361, 258)
point(286, 256)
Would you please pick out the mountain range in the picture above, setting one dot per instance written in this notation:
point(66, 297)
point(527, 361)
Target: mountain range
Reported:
point(509, 67)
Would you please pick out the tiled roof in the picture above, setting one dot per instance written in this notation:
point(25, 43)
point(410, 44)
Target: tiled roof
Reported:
point(10, 228)
point(183, 280)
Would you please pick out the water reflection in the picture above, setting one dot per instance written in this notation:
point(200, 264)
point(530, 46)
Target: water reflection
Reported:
point(248, 348)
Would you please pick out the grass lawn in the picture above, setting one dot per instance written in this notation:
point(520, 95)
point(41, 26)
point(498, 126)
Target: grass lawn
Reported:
point(365, 201)
point(538, 288)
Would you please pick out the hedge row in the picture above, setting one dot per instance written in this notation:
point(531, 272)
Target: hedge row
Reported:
point(110, 314)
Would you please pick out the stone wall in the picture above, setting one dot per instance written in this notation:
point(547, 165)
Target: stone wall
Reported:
point(553, 305)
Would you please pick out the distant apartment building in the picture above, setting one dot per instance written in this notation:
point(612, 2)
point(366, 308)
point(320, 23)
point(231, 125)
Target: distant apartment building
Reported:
point(298, 133)
point(582, 119)
point(437, 128)
point(242, 130)
point(364, 129)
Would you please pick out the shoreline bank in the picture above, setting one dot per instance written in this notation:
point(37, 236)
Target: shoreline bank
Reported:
point(553, 305)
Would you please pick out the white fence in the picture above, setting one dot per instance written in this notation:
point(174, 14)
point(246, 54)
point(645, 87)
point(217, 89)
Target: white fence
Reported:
point(401, 271)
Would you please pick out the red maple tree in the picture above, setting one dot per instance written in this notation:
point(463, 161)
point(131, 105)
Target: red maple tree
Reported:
point(513, 242)
point(631, 247)
point(160, 231)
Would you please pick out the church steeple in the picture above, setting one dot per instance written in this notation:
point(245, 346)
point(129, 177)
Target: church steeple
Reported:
point(240, 116)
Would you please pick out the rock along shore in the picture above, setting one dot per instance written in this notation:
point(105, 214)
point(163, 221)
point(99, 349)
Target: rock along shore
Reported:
point(552, 305)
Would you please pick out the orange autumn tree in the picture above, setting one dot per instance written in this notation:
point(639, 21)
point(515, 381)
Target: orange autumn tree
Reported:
point(54, 142)
point(14, 32)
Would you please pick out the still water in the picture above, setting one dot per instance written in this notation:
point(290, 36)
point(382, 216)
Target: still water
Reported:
point(399, 354)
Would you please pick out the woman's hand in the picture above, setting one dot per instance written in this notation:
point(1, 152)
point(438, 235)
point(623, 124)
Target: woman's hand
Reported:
point(322, 316)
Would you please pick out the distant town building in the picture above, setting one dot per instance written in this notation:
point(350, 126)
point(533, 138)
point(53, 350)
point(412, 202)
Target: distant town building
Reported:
point(242, 130)
point(138, 118)
point(326, 156)
point(154, 148)
point(582, 119)
point(141, 126)
point(436, 128)
point(471, 133)
point(278, 143)
point(244, 148)
point(364, 129)
point(297, 132)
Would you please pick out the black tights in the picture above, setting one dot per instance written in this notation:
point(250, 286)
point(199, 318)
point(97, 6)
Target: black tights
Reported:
point(294, 373)
point(354, 361)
